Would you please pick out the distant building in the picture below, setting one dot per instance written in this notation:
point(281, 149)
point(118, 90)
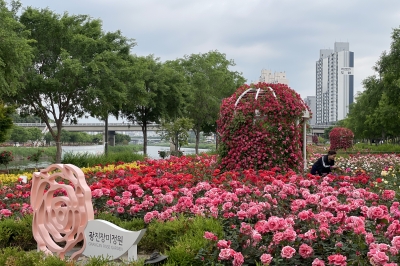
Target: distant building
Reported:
point(277, 77)
point(334, 83)
point(311, 102)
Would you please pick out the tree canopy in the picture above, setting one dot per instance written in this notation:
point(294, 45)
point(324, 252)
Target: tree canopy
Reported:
point(15, 49)
point(210, 80)
point(65, 51)
point(376, 113)
point(155, 92)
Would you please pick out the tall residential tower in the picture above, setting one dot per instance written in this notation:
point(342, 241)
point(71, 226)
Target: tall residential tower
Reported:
point(334, 83)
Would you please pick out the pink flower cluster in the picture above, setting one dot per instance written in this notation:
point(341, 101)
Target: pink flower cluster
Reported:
point(268, 216)
point(261, 129)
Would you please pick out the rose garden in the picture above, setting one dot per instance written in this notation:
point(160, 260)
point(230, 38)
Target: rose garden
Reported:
point(251, 204)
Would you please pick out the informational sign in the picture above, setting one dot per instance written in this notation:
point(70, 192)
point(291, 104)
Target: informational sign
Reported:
point(347, 70)
point(109, 240)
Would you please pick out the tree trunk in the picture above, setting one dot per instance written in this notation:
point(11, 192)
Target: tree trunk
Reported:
point(197, 135)
point(106, 136)
point(58, 143)
point(177, 147)
point(144, 131)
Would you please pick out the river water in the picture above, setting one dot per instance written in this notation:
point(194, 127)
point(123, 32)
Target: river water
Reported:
point(152, 152)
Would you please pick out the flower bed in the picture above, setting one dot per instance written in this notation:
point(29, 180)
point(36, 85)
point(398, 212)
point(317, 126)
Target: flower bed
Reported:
point(269, 217)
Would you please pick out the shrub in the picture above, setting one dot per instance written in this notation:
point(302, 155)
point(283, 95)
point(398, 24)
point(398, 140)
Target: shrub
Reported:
point(188, 245)
point(35, 157)
point(341, 138)
point(163, 154)
point(17, 233)
point(315, 139)
point(6, 157)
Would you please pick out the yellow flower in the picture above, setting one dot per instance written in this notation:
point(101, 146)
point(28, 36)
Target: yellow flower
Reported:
point(384, 173)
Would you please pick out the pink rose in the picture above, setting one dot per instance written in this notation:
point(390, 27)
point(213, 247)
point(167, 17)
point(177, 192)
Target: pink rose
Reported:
point(287, 252)
point(210, 236)
point(337, 259)
point(379, 258)
point(223, 244)
point(388, 194)
point(226, 254)
point(305, 251)
point(266, 259)
point(318, 262)
point(238, 259)
point(396, 242)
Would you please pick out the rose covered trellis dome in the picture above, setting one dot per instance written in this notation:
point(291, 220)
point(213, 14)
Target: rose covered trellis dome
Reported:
point(260, 128)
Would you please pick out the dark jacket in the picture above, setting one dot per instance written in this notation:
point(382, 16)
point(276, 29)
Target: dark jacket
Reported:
point(322, 166)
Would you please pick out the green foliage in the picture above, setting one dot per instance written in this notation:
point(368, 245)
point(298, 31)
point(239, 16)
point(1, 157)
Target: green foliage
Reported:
point(122, 139)
point(327, 131)
point(15, 52)
point(88, 159)
point(36, 156)
point(188, 245)
point(69, 53)
point(158, 91)
point(209, 81)
point(28, 151)
point(6, 157)
point(5, 120)
point(376, 113)
point(17, 233)
point(19, 134)
point(163, 154)
point(177, 131)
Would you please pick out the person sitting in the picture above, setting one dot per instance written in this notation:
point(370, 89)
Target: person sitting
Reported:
point(325, 164)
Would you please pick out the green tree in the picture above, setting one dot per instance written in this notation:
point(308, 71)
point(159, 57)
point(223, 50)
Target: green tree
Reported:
point(327, 131)
point(111, 71)
point(389, 69)
point(155, 91)
point(20, 134)
point(176, 131)
point(57, 82)
point(34, 133)
point(122, 139)
point(210, 80)
point(6, 122)
point(17, 118)
point(15, 51)
point(65, 136)
point(360, 118)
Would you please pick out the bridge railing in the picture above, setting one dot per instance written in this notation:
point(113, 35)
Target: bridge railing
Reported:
point(83, 125)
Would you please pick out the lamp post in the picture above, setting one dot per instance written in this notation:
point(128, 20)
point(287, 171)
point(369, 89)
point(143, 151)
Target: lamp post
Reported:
point(306, 116)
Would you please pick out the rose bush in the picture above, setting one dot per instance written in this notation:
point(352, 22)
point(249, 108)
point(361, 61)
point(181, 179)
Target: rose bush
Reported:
point(261, 132)
point(6, 157)
point(341, 138)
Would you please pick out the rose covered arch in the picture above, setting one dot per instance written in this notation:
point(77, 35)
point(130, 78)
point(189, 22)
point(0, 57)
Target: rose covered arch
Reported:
point(260, 128)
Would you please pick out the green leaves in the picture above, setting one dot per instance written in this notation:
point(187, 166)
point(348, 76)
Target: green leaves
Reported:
point(15, 52)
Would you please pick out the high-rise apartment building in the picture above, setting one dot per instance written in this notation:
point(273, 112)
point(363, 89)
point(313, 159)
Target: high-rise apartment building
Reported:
point(310, 101)
point(277, 77)
point(334, 83)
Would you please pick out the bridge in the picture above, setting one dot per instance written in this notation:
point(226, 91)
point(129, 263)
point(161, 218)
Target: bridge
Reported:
point(99, 127)
point(94, 127)
point(318, 129)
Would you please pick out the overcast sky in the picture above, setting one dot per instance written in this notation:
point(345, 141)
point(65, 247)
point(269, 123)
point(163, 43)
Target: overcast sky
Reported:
point(279, 35)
